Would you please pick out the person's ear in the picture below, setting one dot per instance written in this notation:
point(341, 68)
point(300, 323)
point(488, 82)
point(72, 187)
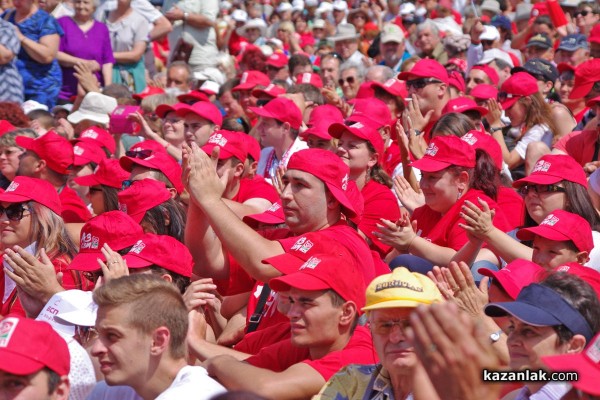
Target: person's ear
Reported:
point(160, 341)
point(62, 389)
point(238, 170)
point(41, 164)
point(332, 202)
point(166, 216)
point(385, 133)
point(463, 180)
point(373, 158)
point(173, 192)
point(576, 344)
point(167, 278)
point(443, 88)
point(583, 257)
point(215, 128)
point(348, 313)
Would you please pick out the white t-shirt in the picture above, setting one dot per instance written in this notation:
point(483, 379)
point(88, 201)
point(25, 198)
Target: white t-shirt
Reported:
point(537, 133)
point(192, 383)
point(268, 162)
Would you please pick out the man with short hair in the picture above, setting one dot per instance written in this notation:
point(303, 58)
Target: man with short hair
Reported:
point(179, 77)
point(142, 325)
point(201, 120)
point(34, 361)
point(429, 42)
point(573, 50)
point(346, 43)
point(392, 47)
point(330, 69)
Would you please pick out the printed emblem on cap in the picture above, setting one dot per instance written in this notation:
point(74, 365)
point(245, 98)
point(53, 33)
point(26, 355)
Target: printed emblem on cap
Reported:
point(7, 328)
point(542, 166)
point(12, 187)
point(470, 139)
point(218, 139)
point(138, 247)
point(89, 134)
point(268, 88)
point(432, 150)
point(550, 220)
point(389, 83)
point(357, 125)
point(89, 242)
point(78, 150)
point(562, 268)
point(396, 284)
point(244, 77)
point(302, 245)
point(593, 351)
point(306, 77)
point(123, 207)
point(274, 207)
point(539, 38)
point(311, 263)
point(345, 182)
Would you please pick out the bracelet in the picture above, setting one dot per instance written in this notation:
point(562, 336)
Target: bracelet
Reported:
point(417, 132)
point(496, 129)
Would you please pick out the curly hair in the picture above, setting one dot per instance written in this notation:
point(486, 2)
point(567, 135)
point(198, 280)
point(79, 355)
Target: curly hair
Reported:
point(254, 60)
point(14, 114)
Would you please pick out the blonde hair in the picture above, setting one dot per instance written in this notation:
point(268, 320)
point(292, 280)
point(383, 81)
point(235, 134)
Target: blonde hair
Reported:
point(48, 230)
point(538, 113)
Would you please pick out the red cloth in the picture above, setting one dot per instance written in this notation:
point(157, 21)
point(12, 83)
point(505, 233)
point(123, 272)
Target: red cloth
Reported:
point(579, 116)
point(254, 342)
point(73, 208)
point(256, 187)
point(380, 202)
point(391, 158)
point(282, 355)
point(513, 206)
point(444, 230)
point(157, 45)
point(235, 43)
point(580, 145)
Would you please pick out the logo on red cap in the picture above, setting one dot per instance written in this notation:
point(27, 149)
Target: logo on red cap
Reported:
point(345, 182)
point(302, 245)
point(311, 263)
point(217, 139)
point(77, 150)
point(7, 328)
point(542, 166)
point(89, 133)
point(432, 150)
point(12, 187)
point(138, 247)
point(550, 220)
point(89, 242)
point(244, 77)
point(274, 207)
point(469, 138)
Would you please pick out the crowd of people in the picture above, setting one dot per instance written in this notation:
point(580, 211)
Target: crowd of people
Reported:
point(347, 199)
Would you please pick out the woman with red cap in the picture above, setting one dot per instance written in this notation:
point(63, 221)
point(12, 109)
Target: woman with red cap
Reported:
point(360, 146)
point(104, 185)
point(33, 237)
point(451, 175)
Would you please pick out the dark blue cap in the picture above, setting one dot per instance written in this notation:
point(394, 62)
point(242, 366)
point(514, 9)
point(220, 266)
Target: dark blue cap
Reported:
point(501, 21)
point(573, 42)
point(539, 68)
point(539, 305)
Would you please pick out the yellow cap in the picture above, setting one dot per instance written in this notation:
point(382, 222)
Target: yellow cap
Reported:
point(401, 288)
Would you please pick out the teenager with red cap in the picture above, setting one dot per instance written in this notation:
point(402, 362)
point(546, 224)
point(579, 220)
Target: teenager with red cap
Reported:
point(200, 120)
point(104, 185)
point(360, 146)
point(86, 157)
point(49, 157)
point(9, 154)
point(249, 81)
point(481, 74)
point(153, 164)
point(34, 361)
point(35, 242)
point(317, 135)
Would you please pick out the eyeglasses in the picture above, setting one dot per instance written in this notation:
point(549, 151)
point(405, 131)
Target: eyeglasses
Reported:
point(420, 83)
point(14, 212)
point(92, 276)
point(487, 42)
point(503, 96)
point(9, 151)
point(386, 327)
point(141, 154)
point(524, 190)
point(583, 13)
point(84, 334)
point(349, 80)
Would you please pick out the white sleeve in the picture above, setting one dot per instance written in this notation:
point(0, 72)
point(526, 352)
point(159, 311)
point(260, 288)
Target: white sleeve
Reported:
point(474, 54)
point(535, 134)
point(146, 9)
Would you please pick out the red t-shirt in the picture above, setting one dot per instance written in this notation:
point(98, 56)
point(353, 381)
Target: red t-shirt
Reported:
point(254, 342)
point(282, 355)
point(580, 145)
point(513, 206)
point(73, 208)
point(444, 230)
point(236, 42)
point(256, 187)
point(380, 202)
point(391, 158)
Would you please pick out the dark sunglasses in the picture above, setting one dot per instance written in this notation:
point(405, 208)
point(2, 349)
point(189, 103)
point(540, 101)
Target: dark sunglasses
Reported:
point(503, 96)
point(487, 42)
point(92, 276)
point(84, 334)
point(350, 80)
point(141, 154)
point(583, 13)
point(524, 190)
point(14, 212)
point(420, 83)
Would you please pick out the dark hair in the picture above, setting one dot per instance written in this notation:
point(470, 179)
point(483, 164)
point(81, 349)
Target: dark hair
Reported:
point(181, 282)
point(456, 124)
point(227, 86)
point(338, 301)
point(53, 380)
point(579, 294)
point(298, 60)
point(544, 20)
point(110, 195)
point(377, 173)
point(156, 217)
point(310, 92)
point(233, 124)
point(486, 176)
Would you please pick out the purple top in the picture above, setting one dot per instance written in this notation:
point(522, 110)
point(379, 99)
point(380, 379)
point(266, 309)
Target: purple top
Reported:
point(91, 45)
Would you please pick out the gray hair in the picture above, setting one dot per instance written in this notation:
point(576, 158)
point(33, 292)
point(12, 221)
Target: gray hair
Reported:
point(428, 24)
point(361, 71)
point(385, 71)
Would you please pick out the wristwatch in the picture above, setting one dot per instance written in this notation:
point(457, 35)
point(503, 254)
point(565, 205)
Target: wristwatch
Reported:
point(185, 16)
point(498, 128)
point(494, 337)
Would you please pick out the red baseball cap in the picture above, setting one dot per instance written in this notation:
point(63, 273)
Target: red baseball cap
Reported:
point(393, 86)
point(203, 109)
point(490, 72)
point(108, 173)
point(321, 117)
point(483, 141)
point(251, 79)
point(6, 127)
point(148, 91)
point(27, 346)
point(373, 110)
point(361, 130)
point(163, 251)
point(252, 146)
point(444, 151)
point(147, 144)
point(270, 91)
point(553, 168)
point(365, 91)
point(586, 364)
point(462, 104)
point(516, 86)
point(281, 109)
point(163, 109)
point(484, 91)
point(310, 78)
point(588, 274)
point(24, 188)
point(321, 272)
point(426, 68)
point(456, 79)
point(562, 225)
point(329, 168)
point(232, 144)
point(277, 60)
point(51, 147)
point(594, 34)
point(459, 63)
point(272, 216)
point(87, 152)
point(100, 136)
point(141, 196)
point(593, 102)
point(564, 67)
point(516, 275)
point(115, 228)
point(193, 95)
point(586, 74)
point(158, 160)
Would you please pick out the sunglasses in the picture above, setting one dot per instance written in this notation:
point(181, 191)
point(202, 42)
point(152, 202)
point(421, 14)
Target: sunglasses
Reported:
point(386, 327)
point(487, 42)
point(524, 190)
point(141, 154)
point(420, 83)
point(92, 276)
point(583, 13)
point(84, 334)
point(503, 96)
point(349, 80)
point(14, 212)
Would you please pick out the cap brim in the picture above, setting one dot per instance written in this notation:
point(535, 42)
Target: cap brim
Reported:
point(395, 304)
point(87, 180)
point(13, 198)
point(19, 364)
point(340, 195)
point(337, 129)
point(429, 165)
point(78, 116)
point(537, 179)
point(285, 263)
point(581, 90)
point(523, 312)
point(506, 284)
point(508, 103)
point(134, 261)
point(263, 218)
point(86, 261)
point(388, 89)
point(163, 109)
point(315, 132)
point(298, 280)
point(343, 37)
point(543, 231)
point(79, 317)
point(244, 86)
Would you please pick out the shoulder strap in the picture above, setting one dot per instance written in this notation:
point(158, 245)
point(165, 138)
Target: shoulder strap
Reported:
point(260, 306)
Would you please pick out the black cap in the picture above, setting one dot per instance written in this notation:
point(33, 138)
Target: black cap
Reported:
point(539, 68)
point(541, 40)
